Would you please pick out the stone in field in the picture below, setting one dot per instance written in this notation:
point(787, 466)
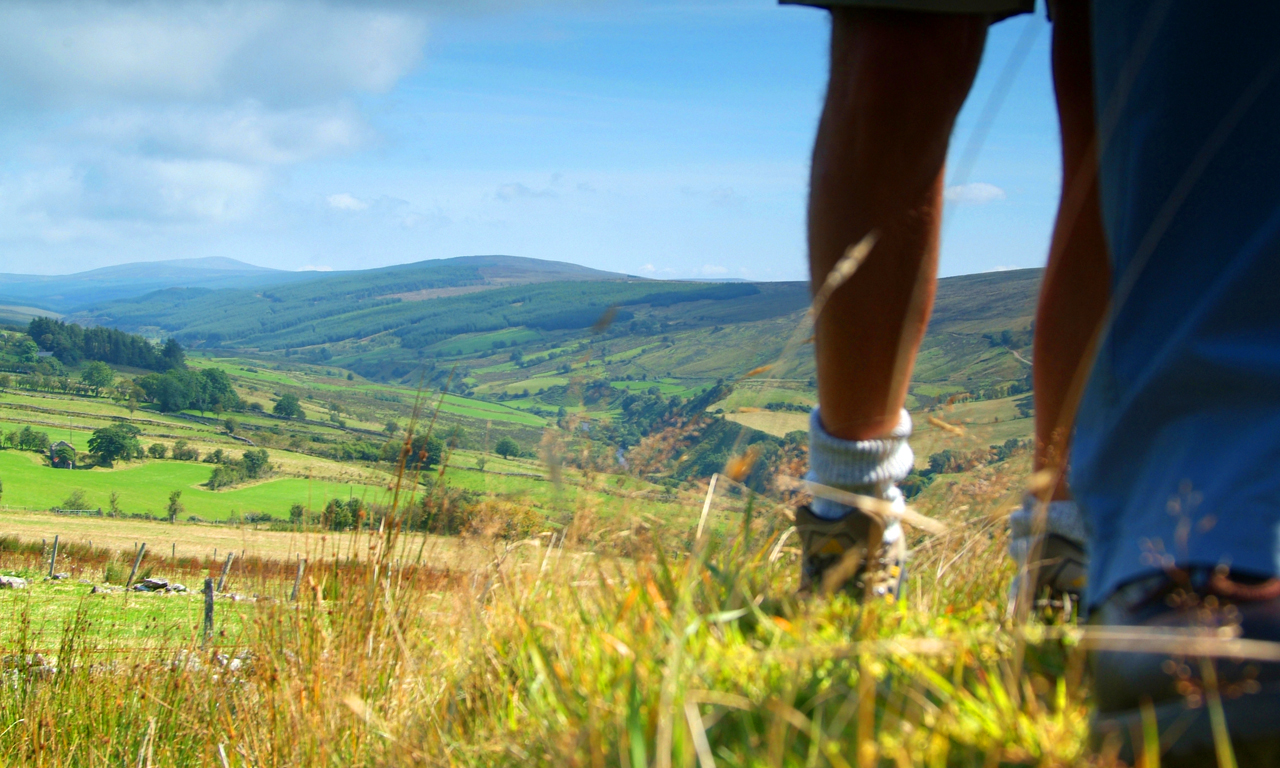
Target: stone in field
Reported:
point(60, 576)
point(33, 664)
point(12, 582)
point(176, 588)
point(155, 585)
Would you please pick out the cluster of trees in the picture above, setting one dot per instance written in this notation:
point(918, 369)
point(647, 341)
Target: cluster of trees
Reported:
point(182, 388)
point(71, 344)
point(252, 465)
point(116, 442)
point(94, 379)
point(341, 515)
point(445, 512)
point(182, 451)
point(644, 413)
point(288, 407)
point(97, 376)
point(1010, 338)
point(18, 348)
point(789, 407)
point(27, 439)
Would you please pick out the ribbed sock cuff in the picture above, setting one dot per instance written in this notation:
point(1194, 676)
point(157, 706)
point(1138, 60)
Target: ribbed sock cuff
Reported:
point(866, 467)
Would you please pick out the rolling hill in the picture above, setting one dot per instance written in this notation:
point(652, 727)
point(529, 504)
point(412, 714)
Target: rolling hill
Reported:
point(543, 337)
point(66, 293)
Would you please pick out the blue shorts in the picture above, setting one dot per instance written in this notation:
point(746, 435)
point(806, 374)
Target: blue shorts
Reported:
point(1176, 454)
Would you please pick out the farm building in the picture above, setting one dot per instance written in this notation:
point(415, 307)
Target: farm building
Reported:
point(62, 455)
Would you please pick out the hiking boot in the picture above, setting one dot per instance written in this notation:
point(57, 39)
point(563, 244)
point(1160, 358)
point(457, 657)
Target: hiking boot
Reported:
point(835, 555)
point(1060, 567)
point(1199, 613)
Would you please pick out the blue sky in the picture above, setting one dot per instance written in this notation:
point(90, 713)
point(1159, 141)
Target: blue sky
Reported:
point(667, 138)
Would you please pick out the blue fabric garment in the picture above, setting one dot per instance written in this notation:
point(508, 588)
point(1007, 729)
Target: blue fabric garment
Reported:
point(1176, 455)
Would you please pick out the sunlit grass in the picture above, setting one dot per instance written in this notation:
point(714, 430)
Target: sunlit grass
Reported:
point(542, 653)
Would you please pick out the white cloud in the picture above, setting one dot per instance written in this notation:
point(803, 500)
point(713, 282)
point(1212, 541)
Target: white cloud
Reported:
point(183, 112)
point(724, 196)
point(282, 52)
point(1004, 268)
point(712, 270)
point(646, 269)
point(314, 268)
point(245, 133)
point(345, 202)
point(517, 191)
point(975, 193)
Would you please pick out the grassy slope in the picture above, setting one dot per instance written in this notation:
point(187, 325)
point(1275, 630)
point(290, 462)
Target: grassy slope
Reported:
point(560, 658)
point(144, 487)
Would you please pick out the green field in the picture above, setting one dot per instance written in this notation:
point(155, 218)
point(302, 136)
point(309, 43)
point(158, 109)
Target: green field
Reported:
point(630, 641)
point(135, 623)
point(144, 487)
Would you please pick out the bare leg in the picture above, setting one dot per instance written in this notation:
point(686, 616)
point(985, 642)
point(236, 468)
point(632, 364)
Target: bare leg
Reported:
point(1076, 285)
point(898, 79)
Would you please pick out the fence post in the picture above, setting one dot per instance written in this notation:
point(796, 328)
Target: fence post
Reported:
point(222, 580)
point(173, 552)
point(141, 550)
point(53, 558)
point(208, 610)
point(297, 580)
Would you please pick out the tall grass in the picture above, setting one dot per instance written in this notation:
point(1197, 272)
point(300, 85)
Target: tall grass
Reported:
point(681, 653)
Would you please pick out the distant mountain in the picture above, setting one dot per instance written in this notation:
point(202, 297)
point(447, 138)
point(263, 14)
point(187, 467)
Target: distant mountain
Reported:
point(67, 294)
point(427, 299)
point(64, 293)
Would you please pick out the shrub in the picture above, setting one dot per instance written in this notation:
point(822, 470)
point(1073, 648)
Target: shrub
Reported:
point(157, 450)
point(336, 516)
point(224, 475)
point(255, 463)
point(184, 452)
point(506, 448)
point(76, 500)
point(288, 407)
point(113, 573)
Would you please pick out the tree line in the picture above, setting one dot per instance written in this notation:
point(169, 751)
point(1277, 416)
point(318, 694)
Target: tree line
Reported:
point(71, 344)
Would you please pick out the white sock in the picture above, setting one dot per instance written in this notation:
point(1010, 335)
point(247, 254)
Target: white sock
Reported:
point(865, 467)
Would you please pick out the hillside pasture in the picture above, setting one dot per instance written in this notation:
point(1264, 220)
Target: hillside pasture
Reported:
point(984, 423)
point(776, 423)
point(143, 487)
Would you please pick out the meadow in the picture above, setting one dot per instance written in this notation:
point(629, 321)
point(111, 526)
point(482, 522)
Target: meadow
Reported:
point(598, 604)
point(544, 653)
point(143, 487)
